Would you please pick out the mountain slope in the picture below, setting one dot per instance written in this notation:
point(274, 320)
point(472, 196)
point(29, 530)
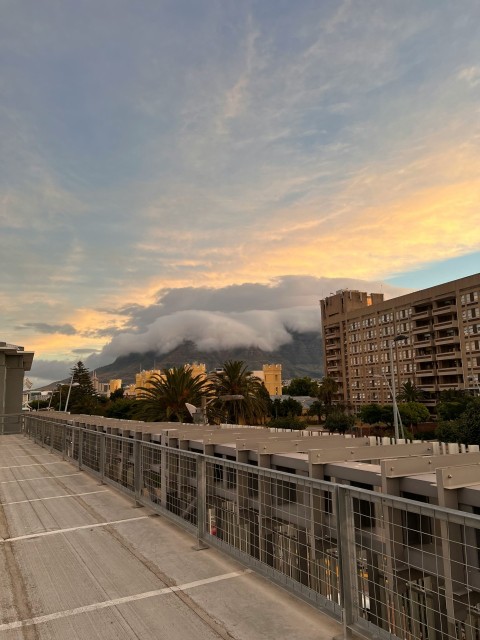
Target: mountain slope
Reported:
point(301, 357)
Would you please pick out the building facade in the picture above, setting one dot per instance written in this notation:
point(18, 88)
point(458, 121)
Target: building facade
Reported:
point(430, 337)
point(271, 376)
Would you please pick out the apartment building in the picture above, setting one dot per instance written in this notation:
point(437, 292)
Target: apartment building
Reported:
point(430, 337)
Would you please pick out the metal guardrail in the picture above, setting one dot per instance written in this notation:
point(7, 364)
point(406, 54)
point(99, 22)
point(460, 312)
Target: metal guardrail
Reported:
point(389, 567)
point(11, 423)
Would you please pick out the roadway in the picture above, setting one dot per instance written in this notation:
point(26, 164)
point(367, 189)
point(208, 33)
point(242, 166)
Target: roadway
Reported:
point(79, 561)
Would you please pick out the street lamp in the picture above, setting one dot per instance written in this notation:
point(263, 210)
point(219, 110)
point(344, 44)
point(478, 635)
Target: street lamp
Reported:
point(399, 338)
point(72, 384)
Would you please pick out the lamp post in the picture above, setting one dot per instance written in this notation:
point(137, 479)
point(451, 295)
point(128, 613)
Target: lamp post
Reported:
point(399, 338)
point(72, 384)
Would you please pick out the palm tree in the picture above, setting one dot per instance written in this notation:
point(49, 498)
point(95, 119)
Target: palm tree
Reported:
point(409, 392)
point(165, 396)
point(236, 380)
point(326, 391)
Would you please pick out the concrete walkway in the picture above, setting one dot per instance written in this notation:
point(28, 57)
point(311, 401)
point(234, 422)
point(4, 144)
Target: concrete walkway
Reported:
point(78, 561)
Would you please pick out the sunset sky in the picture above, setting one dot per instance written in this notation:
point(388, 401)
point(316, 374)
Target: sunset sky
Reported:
point(211, 168)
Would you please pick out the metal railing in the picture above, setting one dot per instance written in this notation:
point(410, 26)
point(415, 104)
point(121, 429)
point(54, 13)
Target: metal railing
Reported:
point(389, 567)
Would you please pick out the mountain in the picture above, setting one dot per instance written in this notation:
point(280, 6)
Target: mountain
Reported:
point(301, 357)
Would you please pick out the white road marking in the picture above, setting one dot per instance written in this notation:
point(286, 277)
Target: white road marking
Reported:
point(94, 525)
point(68, 495)
point(67, 475)
point(36, 464)
point(118, 601)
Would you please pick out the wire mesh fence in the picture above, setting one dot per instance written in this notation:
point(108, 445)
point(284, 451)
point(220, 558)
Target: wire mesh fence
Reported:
point(391, 567)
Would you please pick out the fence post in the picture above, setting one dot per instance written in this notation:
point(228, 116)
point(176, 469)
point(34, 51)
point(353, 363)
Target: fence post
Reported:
point(347, 557)
point(80, 447)
point(52, 435)
point(102, 458)
point(43, 434)
point(201, 503)
point(137, 470)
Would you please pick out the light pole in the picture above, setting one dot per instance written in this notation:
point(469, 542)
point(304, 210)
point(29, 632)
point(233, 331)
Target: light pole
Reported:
point(399, 338)
point(72, 384)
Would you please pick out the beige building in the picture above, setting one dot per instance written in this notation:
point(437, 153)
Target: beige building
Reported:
point(431, 337)
point(143, 378)
point(114, 385)
point(271, 376)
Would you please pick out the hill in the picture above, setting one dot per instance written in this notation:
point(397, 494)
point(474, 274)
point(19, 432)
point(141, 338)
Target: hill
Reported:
point(301, 357)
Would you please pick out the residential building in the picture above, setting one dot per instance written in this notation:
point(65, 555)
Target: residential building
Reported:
point(430, 337)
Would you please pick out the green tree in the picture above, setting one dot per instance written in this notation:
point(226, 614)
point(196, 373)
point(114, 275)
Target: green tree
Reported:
point(301, 387)
point(448, 431)
point(469, 423)
point(326, 392)
point(409, 392)
point(118, 393)
point(236, 380)
point(371, 413)
point(122, 408)
point(287, 422)
point(83, 398)
point(317, 409)
point(286, 407)
point(412, 413)
point(339, 421)
point(165, 397)
point(452, 404)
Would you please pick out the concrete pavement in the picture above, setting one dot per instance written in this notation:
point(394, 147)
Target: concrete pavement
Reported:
point(78, 561)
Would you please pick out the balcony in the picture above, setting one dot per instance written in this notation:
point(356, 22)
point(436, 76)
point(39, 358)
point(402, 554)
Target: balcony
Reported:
point(425, 357)
point(445, 371)
point(430, 387)
point(449, 308)
point(422, 313)
point(422, 373)
point(451, 323)
point(423, 341)
point(424, 328)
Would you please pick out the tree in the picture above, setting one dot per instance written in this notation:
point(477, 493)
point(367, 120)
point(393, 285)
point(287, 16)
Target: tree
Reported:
point(287, 422)
point(409, 392)
point(452, 403)
point(371, 413)
point(165, 397)
point(286, 407)
point(118, 393)
point(326, 391)
point(301, 387)
point(122, 408)
point(83, 398)
point(412, 413)
point(317, 408)
point(469, 423)
point(236, 380)
point(338, 421)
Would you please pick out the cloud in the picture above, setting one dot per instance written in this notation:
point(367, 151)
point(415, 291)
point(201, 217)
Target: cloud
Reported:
point(471, 75)
point(245, 315)
point(43, 327)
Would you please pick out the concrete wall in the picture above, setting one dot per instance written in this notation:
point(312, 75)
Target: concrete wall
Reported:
point(14, 361)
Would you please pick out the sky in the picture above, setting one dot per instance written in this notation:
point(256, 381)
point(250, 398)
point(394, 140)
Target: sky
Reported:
point(210, 169)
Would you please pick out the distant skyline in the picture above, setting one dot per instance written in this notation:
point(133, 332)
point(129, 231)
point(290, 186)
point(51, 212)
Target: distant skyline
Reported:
point(159, 151)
